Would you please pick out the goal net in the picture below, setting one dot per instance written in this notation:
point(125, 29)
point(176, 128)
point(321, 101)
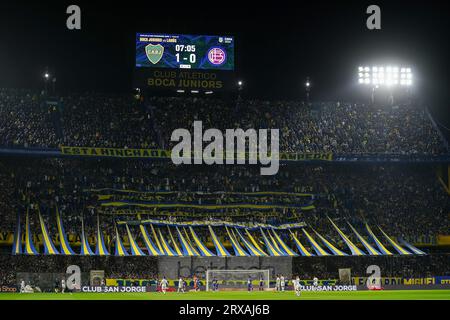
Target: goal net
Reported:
point(237, 279)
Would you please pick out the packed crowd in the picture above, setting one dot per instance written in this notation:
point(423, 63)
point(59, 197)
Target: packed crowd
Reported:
point(406, 202)
point(95, 120)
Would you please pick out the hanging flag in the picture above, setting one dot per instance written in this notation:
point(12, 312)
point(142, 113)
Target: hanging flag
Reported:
point(283, 245)
point(134, 247)
point(269, 246)
point(120, 248)
point(252, 249)
point(17, 243)
point(166, 247)
point(380, 245)
point(65, 248)
point(366, 244)
point(203, 249)
point(353, 248)
point(411, 247)
point(101, 247)
point(49, 247)
point(187, 249)
point(85, 248)
point(29, 245)
point(151, 247)
point(255, 243)
point(158, 243)
point(174, 243)
point(300, 246)
point(220, 249)
point(318, 249)
point(191, 242)
point(396, 246)
point(238, 251)
point(328, 244)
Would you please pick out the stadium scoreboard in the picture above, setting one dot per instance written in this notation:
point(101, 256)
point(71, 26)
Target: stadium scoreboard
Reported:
point(180, 51)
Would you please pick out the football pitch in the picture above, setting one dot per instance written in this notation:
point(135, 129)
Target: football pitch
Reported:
point(240, 295)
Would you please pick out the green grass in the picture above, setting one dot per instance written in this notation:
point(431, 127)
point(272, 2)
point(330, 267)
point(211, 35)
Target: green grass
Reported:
point(240, 295)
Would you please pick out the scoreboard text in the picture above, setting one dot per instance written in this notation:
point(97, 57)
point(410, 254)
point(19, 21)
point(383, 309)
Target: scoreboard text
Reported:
point(184, 51)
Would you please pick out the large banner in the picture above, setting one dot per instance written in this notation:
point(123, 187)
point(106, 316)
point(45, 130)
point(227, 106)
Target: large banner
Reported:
point(165, 154)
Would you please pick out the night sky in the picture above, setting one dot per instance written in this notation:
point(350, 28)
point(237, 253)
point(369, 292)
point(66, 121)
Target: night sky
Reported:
point(276, 47)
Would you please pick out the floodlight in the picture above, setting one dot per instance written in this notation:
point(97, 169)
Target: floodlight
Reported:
point(391, 75)
point(46, 75)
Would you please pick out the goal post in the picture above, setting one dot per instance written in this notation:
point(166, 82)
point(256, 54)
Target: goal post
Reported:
point(237, 279)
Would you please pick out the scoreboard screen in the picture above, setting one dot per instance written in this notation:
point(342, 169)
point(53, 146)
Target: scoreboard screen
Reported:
point(180, 51)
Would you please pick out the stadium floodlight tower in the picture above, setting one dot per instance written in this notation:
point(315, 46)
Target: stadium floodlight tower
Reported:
point(390, 77)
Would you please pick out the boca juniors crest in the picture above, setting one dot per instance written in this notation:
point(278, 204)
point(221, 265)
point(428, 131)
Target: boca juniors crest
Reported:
point(154, 52)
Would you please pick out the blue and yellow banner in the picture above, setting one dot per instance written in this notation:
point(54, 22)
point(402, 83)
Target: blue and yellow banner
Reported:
point(220, 249)
point(85, 247)
point(251, 248)
point(318, 249)
point(238, 250)
point(101, 247)
point(134, 247)
point(120, 248)
point(283, 245)
point(151, 247)
point(185, 245)
point(353, 248)
point(411, 247)
point(379, 244)
point(17, 243)
point(255, 243)
point(300, 246)
point(367, 245)
point(168, 250)
point(174, 243)
point(49, 247)
point(65, 248)
point(394, 244)
point(204, 251)
point(269, 246)
point(328, 244)
point(30, 249)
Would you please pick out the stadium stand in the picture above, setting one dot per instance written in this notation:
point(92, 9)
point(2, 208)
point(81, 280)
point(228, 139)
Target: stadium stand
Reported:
point(333, 203)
